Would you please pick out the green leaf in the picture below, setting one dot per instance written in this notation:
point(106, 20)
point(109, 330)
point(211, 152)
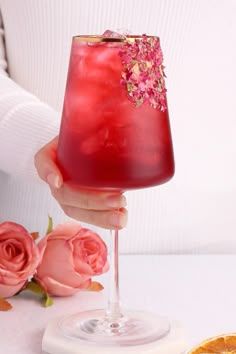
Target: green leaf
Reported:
point(5, 305)
point(37, 289)
point(47, 301)
point(50, 225)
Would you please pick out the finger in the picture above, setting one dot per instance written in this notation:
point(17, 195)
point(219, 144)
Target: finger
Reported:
point(91, 200)
point(106, 219)
point(45, 163)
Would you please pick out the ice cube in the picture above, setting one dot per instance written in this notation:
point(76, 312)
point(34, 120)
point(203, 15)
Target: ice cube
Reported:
point(112, 34)
point(105, 56)
point(90, 145)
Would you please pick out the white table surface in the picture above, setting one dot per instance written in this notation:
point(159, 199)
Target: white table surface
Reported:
point(200, 291)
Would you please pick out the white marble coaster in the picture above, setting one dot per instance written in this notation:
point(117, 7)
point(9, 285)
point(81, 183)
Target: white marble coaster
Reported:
point(54, 343)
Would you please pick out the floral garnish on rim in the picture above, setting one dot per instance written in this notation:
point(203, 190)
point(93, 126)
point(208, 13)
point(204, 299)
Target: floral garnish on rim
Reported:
point(143, 74)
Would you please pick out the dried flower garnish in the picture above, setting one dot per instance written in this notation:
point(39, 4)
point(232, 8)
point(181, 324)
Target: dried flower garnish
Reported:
point(143, 74)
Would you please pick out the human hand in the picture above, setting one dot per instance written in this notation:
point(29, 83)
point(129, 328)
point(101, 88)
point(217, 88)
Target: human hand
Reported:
point(104, 209)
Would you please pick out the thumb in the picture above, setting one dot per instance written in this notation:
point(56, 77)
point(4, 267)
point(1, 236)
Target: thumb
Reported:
point(45, 163)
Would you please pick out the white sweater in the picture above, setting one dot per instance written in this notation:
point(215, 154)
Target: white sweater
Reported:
point(194, 212)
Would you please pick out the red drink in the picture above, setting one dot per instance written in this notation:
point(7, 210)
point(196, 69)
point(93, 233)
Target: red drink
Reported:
point(106, 141)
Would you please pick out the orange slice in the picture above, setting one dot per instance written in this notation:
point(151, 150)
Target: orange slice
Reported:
point(225, 344)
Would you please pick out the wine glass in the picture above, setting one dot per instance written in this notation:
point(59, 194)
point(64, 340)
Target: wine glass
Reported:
point(115, 136)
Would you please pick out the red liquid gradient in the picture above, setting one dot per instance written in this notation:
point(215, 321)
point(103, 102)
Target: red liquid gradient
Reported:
point(105, 140)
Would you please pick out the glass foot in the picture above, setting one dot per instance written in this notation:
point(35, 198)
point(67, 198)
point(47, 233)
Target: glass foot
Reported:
point(134, 328)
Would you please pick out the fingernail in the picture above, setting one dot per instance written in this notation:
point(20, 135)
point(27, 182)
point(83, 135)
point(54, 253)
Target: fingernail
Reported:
point(118, 220)
point(54, 181)
point(115, 201)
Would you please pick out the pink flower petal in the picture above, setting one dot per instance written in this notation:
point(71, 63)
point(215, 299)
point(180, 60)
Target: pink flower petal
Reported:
point(10, 290)
point(54, 287)
point(58, 262)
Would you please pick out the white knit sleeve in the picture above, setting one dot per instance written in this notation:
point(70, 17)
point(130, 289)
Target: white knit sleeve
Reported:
point(26, 123)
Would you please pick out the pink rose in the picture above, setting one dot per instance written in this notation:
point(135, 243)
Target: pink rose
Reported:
point(71, 256)
point(19, 257)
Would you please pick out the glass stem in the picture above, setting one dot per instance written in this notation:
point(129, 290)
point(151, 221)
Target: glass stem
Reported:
point(114, 311)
